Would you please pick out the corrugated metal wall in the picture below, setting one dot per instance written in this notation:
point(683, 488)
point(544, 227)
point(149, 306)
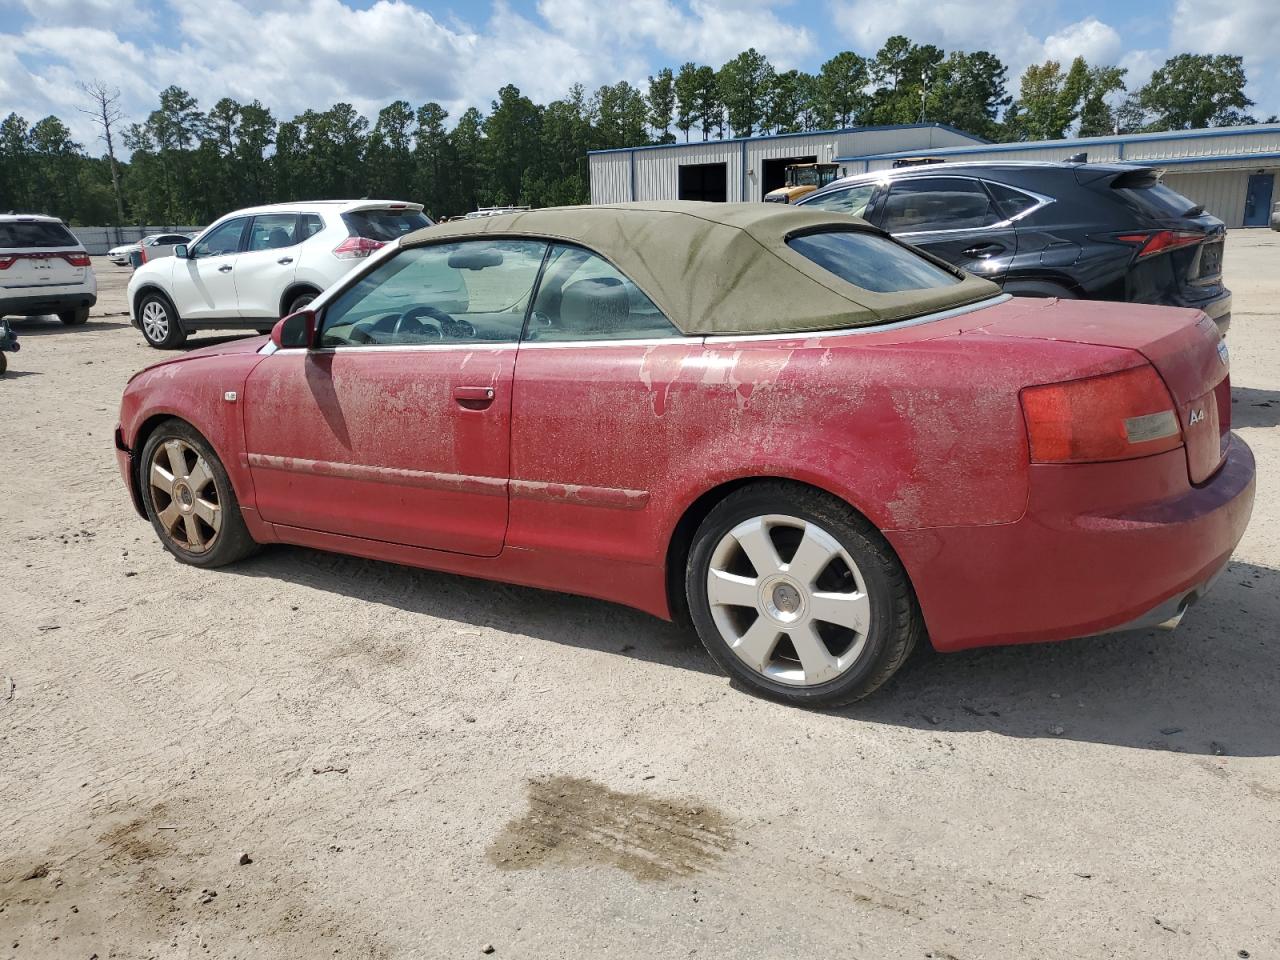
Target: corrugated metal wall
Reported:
point(610, 177)
point(657, 171)
point(1222, 192)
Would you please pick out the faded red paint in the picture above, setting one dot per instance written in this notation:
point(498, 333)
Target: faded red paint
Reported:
point(596, 452)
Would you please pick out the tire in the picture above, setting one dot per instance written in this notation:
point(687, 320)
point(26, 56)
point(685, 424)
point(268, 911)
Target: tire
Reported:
point(189, 498)
point(159, 322)
point(4, 364)
point(73, 318)
point(1039, 288)
point(298, 302)
point(774, 643)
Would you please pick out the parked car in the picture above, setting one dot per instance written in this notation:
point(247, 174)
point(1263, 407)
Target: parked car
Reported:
point(1092, 231)
point(1275, 216)
point(847, 447)
point(44, 269)
point(120, 255)
point(254, 266)
point(160, 245)
point(151, 247)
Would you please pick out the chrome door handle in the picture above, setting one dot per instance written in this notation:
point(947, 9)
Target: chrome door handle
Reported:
point(225, 269)
point(284, 260)
point(982, 251)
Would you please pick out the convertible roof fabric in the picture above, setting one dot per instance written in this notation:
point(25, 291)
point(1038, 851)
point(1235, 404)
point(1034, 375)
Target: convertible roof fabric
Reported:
point(721, 268)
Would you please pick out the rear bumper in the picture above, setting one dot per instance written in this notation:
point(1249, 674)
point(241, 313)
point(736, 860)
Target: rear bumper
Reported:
point(54, 301)
point(1101, 547)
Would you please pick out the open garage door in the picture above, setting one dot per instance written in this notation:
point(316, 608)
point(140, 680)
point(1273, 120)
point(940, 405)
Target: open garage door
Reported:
point(773, 173)
point(704, 181)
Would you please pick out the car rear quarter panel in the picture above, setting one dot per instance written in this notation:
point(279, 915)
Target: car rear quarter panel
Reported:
point(611, 445)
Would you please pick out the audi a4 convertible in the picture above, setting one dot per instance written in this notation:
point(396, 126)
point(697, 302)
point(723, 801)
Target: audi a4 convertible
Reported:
point(818, 445)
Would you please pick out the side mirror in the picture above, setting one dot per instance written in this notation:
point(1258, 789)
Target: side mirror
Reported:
point(180, 251)
point(295, 330)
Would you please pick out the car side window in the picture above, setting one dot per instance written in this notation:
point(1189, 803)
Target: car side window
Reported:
point(852, 200)
point(1012, 202)
point(309, 224)
point(938, 203)
point(583, 297)
point(221, 241)
point(464, 292)
point(271, 231)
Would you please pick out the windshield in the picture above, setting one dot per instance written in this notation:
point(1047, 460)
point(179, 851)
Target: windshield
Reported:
point(35, 233)
point(804, 176)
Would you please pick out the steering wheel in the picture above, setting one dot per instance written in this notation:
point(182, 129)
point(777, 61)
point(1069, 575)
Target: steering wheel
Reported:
point(448, 325)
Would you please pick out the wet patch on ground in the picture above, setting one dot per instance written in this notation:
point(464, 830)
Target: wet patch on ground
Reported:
point(577, 822)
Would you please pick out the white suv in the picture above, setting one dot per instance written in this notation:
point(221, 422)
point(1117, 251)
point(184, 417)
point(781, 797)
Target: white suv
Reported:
point(44, 269)
point(254, 266)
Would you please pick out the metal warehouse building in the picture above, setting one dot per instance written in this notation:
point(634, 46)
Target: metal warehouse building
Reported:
point(747, 168)
point(1231, 170)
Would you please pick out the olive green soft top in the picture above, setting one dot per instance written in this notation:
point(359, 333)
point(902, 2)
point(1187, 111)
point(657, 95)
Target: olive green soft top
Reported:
point(721, 268)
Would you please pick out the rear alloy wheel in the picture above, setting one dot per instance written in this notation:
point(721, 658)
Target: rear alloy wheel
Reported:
point(189, 499)
point(160, 325)
point(797, 597)
point(73, 318)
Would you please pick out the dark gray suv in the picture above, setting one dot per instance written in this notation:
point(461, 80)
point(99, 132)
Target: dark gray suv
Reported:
point(1093, 231)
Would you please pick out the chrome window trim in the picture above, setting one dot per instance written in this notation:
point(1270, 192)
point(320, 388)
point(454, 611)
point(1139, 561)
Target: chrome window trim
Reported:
point(1041, 202)
point(857, 331)
point(707, 340)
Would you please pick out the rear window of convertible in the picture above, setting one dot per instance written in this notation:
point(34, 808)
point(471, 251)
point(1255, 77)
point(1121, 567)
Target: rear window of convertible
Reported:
point(871, 261)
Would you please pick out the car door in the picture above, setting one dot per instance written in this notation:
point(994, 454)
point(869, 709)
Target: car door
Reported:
point(955, 219)
point(591, 432)
point(203, 285)
point(396, 425)
point(266, 267)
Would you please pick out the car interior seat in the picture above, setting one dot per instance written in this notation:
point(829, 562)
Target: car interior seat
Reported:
point(593, 307)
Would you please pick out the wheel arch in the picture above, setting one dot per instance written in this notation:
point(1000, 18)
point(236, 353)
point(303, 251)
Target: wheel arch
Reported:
point(680, 542)
point(1045, 285)
point(293, 290)
point(149, 424)
point(142, 291)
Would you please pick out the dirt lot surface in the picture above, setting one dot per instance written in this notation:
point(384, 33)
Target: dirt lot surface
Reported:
point(424, 766)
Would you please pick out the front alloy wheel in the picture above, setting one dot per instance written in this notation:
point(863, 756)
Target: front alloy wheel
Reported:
point(160, 325)
point(184, 496)
point(189, 499)
point(797, 597)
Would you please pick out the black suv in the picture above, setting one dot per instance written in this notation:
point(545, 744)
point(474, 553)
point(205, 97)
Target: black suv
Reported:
point(1095, 231)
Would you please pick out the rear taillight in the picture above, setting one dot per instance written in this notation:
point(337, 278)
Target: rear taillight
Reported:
point(7, 261)
point(1161, 241)
point(76, 259)
point(1117, 416)
point(356, 248)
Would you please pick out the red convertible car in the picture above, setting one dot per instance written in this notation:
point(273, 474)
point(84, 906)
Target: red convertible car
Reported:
point(815, 443)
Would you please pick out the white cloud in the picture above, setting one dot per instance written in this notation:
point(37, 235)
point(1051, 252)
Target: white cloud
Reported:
point(1090, 38)
point(296, 54)
point(712, 31)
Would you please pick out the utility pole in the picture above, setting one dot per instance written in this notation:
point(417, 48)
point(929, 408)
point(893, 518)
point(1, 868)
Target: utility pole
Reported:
point(106, 114)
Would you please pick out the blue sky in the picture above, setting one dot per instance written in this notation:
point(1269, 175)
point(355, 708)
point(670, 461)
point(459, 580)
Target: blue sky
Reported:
point(295, 54)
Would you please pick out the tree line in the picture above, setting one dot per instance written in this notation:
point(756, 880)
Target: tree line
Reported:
point(185, 165)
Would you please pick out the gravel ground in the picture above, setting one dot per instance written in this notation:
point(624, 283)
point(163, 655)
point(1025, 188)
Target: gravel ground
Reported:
point(425, 766)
